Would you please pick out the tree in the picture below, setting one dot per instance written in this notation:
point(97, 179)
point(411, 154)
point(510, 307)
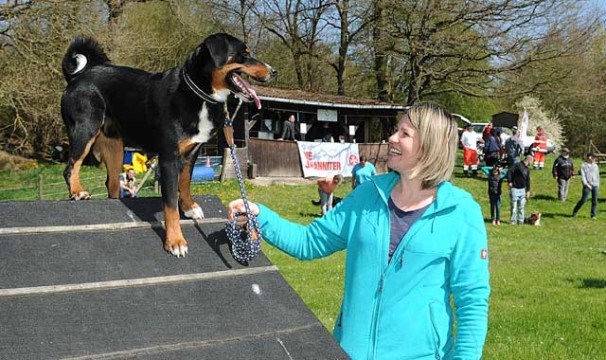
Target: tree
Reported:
point(575, 93)
point(350, 19)
point(538, 116)
point(425, 48)
point(298, 25)
point(33, 40)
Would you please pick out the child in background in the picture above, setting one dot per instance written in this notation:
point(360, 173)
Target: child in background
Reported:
point(326, 188)
point(495, 183)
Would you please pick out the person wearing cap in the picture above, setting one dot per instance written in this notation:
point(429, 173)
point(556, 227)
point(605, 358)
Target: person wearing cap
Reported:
point(540, 148)
point(590, 176)
point(563, 171)
point(514, 147)
point(518, 179)
point(470, 139)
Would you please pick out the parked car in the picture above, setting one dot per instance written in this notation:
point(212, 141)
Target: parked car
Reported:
point(463, 122)
point(478, 127)
point(527, 140)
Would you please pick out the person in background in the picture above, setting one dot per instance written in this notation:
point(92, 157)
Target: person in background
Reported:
point(127, 184)
point(492, 148)
point(409, 272)
point(518, 179)
point(487, 132)
point(514, 147)
point(563, 171)
point(590, 176)
point(470, 139)
point(326, 189)
point(289, 131)
point(327, 133)
point(362, 172)
point(540, 148)
point(495, 184)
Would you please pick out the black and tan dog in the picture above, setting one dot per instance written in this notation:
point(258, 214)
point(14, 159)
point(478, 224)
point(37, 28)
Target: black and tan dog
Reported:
point(167, 113)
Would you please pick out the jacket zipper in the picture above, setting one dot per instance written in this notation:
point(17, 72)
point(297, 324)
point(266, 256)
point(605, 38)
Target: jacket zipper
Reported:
point(375, 322)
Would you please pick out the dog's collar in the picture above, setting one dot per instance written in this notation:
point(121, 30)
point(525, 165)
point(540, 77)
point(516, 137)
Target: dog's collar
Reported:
point(195, 89)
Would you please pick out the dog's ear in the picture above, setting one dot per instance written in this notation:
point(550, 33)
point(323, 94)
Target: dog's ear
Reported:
point(217, 50)
point(222, 46)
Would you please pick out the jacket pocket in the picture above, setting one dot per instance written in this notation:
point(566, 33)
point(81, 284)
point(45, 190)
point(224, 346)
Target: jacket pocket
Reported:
point(434, 327)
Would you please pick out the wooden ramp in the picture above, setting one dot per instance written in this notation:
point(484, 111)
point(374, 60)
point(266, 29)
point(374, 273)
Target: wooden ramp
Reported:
point(90, 280)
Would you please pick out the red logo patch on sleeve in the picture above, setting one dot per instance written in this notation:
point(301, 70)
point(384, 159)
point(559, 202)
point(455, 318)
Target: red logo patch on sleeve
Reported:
point(484, 254)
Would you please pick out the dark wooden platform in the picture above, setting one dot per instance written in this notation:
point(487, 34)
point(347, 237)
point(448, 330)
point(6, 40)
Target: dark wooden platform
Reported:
point(90, 280)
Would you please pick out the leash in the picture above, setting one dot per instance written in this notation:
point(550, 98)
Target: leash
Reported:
point(245, 241)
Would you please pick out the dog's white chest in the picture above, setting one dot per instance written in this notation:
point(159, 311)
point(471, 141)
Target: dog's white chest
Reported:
point(205, 126)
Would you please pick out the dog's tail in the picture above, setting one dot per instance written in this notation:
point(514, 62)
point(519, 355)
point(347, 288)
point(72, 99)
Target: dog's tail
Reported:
point(82, 54)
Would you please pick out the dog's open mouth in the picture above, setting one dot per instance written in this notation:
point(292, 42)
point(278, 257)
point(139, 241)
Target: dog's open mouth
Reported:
point(245, 91)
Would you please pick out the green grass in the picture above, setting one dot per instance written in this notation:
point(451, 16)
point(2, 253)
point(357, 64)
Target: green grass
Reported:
point(548, 283)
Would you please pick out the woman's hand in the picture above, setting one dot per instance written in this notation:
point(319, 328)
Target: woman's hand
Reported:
point(237, 206)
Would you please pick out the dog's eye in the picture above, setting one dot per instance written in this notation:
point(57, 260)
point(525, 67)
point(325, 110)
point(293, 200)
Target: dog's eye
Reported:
point(245, 55)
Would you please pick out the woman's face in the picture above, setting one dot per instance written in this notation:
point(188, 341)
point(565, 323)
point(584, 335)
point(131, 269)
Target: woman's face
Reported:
point(404, 147)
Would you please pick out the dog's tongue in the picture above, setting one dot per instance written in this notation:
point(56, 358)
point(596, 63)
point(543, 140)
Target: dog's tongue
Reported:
point(249, 90)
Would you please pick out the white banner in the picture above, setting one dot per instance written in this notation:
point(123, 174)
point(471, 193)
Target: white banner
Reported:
point(319, 159)
point(524, 125)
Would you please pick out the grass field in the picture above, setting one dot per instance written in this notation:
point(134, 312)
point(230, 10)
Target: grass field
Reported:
point(548, 283)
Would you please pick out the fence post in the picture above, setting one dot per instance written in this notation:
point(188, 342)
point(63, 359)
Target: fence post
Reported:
point(40, 192)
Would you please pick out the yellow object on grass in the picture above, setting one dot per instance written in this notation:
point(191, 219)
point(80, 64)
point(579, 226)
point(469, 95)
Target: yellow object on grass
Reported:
point(139, 161)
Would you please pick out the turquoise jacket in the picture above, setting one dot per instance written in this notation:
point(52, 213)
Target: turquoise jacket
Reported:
point(401, 309)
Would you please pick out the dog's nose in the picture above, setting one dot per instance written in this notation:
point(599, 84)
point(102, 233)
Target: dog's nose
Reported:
point(273, 71)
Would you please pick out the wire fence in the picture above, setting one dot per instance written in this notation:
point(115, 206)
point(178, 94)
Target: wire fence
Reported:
point(41, 189)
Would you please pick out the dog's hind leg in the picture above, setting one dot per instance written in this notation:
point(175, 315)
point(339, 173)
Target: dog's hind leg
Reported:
point(112, 156)
point(175, 241)
point(83, 119)
point(190, 208)
point(78, 151)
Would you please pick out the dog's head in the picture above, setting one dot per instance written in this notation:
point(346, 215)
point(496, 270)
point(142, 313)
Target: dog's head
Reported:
point(535, 218)
point(226, 58)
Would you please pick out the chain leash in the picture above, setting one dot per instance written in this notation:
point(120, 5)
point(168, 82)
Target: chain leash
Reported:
point(245, 241)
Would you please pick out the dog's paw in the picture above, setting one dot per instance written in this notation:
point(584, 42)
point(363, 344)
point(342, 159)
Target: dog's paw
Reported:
point(82, 195)
point(194, 213)
point(177, 248)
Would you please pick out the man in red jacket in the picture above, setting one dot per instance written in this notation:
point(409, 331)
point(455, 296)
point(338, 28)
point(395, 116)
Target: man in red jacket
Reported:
point(540, 149)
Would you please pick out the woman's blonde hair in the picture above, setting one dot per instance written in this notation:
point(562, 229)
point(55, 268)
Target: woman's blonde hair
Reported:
point(438, 139)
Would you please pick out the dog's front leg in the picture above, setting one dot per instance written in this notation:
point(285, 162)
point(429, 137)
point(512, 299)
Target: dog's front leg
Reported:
point(175, 242)
point(190, 208)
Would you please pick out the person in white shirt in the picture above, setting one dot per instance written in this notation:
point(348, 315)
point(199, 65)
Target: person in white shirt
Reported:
point(470, 139)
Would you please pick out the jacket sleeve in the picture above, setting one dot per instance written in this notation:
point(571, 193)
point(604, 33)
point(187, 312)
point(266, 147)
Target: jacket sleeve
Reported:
point(470, 286)
point(284, 129)
point(320, 238)
point(510, 172)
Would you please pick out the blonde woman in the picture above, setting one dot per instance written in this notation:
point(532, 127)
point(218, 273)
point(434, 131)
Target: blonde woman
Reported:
point(413, 242)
